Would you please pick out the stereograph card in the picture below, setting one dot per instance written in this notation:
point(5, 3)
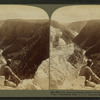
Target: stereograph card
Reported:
point(49, 50)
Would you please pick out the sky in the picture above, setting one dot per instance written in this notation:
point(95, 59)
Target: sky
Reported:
point(21, 12)
point(69, 14)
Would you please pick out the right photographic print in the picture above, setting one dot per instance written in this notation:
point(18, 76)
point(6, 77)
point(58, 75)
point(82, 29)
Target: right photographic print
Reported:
point(75, 48)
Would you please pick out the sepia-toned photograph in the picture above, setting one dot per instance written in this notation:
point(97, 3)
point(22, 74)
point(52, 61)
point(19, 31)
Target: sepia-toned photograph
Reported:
point(75, 48)
point(24, 48)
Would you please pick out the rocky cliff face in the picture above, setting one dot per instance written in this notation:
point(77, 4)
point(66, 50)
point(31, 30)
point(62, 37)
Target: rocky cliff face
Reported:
point(64, 67)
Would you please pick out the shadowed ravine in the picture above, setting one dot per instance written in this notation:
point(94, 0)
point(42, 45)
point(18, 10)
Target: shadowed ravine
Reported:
point(26, 43)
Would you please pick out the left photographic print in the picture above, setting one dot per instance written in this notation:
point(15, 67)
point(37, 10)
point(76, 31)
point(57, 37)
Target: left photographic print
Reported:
point(24, 48)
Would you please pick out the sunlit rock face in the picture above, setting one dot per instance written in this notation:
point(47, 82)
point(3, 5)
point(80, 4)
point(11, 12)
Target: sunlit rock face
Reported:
point(66, 60)
point(60, 68)
point(42, 75)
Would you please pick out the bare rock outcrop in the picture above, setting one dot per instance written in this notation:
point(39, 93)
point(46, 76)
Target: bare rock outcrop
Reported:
point(42, 75)
point(60, 69)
